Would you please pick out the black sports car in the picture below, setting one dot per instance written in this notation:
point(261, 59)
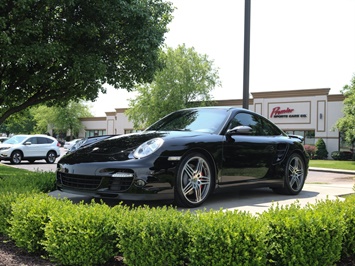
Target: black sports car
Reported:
point(185, 156)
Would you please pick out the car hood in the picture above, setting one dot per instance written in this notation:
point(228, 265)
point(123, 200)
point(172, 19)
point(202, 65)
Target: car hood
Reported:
point(4, 145)
point(121, 148)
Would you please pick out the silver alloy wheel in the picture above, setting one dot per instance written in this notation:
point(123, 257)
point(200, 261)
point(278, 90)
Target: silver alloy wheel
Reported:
point(16, 157)
point(51, 156)
point(296, 173)
point(195, 180)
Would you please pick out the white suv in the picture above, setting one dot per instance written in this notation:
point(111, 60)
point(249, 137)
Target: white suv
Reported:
point(30, 148)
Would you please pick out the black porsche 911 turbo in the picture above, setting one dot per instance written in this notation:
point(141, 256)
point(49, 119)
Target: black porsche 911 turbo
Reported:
point(185, 156)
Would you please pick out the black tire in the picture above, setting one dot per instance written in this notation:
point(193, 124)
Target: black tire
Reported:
point(51, 156)
point(16, 157)
point(295, 175)
point(194, 181)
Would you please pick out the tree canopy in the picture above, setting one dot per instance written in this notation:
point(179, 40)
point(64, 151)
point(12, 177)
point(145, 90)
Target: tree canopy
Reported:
point(61, 119)
point(185, 81)
point(52, 51)
point(346, 123)
point(42, 119)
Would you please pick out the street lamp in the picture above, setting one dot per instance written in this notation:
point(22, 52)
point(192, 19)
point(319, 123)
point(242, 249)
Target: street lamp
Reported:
point(246, 55)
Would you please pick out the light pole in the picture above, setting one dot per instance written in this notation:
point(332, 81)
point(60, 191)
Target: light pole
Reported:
point(246, 55)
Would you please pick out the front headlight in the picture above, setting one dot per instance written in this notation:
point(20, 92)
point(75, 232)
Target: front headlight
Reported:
point(148, 148)
point(5, 148)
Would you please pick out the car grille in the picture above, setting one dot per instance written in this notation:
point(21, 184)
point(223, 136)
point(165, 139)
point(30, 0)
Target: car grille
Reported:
point(84, 182)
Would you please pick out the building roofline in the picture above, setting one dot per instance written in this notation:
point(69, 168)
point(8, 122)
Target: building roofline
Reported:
point(291, 93)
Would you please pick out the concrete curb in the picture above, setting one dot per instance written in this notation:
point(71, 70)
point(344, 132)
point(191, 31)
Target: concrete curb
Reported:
point(338, 171)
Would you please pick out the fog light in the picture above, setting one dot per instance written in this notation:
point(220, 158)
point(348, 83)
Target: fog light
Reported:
point(121, 174)
point(139, 183)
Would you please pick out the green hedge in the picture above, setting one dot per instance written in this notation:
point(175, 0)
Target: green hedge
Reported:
point(93, 234)
point(157, 236)
point(82, 234)
point(226, 238)
point(312, 235)
point(30, 215)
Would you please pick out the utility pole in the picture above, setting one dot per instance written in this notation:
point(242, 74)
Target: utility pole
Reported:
point(246, 54)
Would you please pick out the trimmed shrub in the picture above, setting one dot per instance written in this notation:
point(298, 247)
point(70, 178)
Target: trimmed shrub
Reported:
point(154, 236)
point(82, 234)
point(6, 199)
point(227, 238)
point(321, 151)
point(304, 236)
point(342, 155)
point(29, 217)
point(349, 236)
point(311, 150)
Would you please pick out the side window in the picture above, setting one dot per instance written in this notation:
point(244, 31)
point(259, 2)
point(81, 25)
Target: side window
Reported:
point(270, 129)
point(33, 140)
point(43, 140)
point(250, 120)
point(259, 125)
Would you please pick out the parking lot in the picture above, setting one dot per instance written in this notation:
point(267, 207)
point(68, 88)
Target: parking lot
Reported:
point(319, 186)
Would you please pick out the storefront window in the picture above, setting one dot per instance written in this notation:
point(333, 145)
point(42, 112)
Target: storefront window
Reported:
point(94, 133)
point(309, 135)
point(127, 131)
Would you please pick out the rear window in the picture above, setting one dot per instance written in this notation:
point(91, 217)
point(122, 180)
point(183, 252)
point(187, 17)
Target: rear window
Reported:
point(42, 140)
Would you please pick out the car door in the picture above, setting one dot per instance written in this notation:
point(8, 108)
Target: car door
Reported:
point(44, 145)
point(30, 148)
point(247, 154)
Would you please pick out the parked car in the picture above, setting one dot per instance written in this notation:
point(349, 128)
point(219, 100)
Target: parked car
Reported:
point(68, 144)
point(2, 139)
point(30, 148)
point(185, 156)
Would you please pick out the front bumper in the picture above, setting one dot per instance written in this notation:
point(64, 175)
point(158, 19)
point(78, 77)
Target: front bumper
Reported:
point(136, 180)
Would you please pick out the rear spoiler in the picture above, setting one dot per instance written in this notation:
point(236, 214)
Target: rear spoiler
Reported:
point(301, 138)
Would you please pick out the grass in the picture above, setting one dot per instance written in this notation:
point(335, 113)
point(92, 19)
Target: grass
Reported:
point(7, 171)
point(333, 164)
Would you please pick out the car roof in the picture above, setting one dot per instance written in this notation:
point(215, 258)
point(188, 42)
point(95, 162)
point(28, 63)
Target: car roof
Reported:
point(34, 135)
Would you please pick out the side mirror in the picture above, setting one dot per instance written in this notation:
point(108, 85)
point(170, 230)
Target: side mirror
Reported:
point(28, 143)
point(240, 130)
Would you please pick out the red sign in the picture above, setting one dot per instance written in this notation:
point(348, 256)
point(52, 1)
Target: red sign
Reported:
point(276, 111)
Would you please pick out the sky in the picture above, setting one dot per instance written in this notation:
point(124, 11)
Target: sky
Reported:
point(294, 44)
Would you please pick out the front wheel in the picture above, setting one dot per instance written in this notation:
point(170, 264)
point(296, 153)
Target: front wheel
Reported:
point(16, 157)
point(294, 176)
point(51, 156)
point(194, 181)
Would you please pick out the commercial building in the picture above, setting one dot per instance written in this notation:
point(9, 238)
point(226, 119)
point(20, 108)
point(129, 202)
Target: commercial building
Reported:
point(311, 113)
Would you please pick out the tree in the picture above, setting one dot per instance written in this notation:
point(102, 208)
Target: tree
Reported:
point(53, 51)
point(185, 81)
point(19, 123)
point(346, 123)
point(61, 118)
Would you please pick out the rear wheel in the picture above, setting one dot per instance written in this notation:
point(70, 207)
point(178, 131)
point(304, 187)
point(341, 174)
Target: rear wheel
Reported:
point(51, 156)
point(16, 157)
point(194, 181)
point(294, 176)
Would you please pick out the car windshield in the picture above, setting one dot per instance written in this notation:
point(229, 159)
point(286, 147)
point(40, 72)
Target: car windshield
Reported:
point(15, 140)
point(209, 120)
